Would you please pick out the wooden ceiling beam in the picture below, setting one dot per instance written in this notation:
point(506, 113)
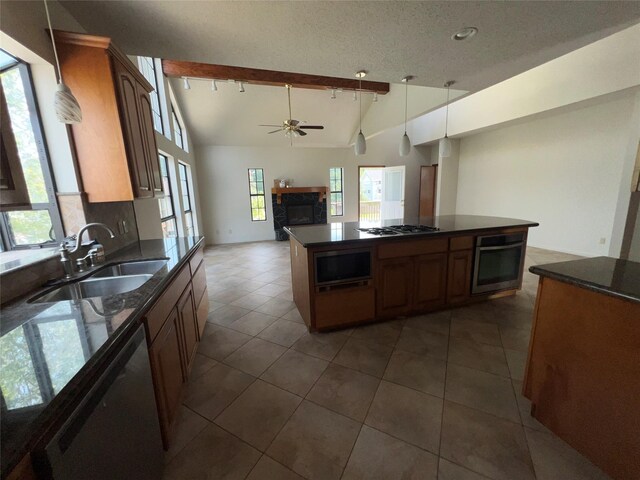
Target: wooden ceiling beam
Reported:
point(177, 68)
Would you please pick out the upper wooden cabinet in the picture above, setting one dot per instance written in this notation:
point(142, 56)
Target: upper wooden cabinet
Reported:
point(115, 143)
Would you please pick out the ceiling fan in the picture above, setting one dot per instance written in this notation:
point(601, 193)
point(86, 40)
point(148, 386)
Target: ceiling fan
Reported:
point(291, 127)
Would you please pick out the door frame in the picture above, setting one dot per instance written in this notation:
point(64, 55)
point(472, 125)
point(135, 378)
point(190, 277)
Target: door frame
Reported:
point(435, 188)
point(360, 167)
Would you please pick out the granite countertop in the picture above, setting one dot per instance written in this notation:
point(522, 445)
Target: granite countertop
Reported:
point(49, 352)
point(337, 233)
point(610, 276)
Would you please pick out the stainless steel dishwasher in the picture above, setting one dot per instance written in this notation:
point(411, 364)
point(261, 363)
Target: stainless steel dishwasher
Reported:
point(114, 433)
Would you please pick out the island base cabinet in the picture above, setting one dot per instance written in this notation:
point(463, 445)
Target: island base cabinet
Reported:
point(430, 281)
point(343, 306)
point(459, 276)
point(394, 285)
point(168, 373)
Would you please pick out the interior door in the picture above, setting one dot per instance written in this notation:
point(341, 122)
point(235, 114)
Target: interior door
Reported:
point(392, 205)
point(428, 181)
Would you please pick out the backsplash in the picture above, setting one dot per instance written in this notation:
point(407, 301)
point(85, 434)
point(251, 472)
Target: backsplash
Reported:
point(113, 214)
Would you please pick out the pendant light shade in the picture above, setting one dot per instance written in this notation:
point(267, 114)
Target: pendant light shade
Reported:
point(65, 103)
point(405, 143)
point(361, 142)
point(445, 143)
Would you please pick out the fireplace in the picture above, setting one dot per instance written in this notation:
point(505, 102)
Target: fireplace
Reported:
point(300, 214)
point(297, 206)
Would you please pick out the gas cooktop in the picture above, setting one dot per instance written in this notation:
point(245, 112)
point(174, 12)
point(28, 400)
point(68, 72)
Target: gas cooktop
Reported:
point(399, 230)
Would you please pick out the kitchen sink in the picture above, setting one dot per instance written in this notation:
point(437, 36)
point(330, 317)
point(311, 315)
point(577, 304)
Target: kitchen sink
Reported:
point(131, 268)
point(95, 287)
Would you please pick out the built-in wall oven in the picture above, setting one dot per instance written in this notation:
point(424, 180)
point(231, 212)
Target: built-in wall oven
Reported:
point(342, 266)
point(499, 261)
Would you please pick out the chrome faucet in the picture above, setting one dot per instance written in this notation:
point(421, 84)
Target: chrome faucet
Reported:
point(94, 257)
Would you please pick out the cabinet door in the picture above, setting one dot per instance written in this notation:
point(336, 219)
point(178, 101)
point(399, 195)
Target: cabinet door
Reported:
point(132, 131)
point(151, 149)
point(13, 188)
point(430, 281)
point(189, 324)
point(168, 374)
point(459, 277)
point(394, 285)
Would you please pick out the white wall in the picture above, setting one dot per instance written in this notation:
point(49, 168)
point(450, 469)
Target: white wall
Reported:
point(564, 171)
point(224, 187)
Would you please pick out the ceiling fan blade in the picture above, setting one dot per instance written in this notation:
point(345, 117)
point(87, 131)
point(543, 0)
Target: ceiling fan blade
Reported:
point(313, 127)
point(302, 133)
point(275, 131)
point(270, 125)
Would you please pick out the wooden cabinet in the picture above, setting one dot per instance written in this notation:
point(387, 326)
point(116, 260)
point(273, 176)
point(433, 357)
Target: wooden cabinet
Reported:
point(459, 276)
point(394, 286)
point(189, 324)
point(343, 306)
point(13, 188)
point(115, 142)
point(430, 280)
point(167, 368)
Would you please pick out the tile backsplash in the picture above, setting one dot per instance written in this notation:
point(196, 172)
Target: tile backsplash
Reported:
point(113, 214)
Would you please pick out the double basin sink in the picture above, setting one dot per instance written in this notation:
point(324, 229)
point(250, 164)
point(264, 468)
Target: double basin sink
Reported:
point(111, 280)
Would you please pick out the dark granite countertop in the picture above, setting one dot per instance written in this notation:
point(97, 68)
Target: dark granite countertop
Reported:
point(340, 233)
point(611, 276)
point(49, 352)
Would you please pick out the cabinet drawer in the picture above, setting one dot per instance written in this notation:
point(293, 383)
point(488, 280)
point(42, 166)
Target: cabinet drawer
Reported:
point(194, 262)
point(202, 313)
point(163, 306)
point(410, 248)
point(342, 306)
point(199, 282)
point(461, 243)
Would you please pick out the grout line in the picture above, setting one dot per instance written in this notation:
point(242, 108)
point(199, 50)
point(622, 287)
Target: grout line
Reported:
point(444, 396)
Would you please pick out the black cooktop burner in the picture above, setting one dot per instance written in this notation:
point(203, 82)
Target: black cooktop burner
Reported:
point(399, 229)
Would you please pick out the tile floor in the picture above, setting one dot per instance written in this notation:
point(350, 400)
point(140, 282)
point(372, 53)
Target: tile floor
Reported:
point(429, 397)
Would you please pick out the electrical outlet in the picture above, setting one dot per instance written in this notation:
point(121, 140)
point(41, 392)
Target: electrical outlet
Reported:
point(125, 226)
point(120, 227)
point(603, 240)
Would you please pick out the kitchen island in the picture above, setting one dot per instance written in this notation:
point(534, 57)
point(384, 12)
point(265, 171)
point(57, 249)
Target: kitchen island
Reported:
point(55, 350)
point(583, 368)
point(345, 274)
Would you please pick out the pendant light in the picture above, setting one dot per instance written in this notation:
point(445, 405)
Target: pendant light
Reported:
point(405, 143)
point(361, 143)
point(65, 104)
point(445, 143)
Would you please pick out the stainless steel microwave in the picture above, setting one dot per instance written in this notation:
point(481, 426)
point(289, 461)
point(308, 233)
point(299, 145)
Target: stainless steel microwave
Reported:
point(342, 266)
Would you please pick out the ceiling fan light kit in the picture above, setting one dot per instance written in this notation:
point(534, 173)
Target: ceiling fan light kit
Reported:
point(361, 142)
point(445, 142)
point(405, 143)
point(65, 103)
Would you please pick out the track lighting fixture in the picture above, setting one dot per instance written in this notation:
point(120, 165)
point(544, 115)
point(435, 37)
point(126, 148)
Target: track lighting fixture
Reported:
point(405, 143)
point(355, 95)
point(375, 97)
point(214, 87)
point(187, 86)
point(241, 87)
point(333, 94)
point(65, 104)
point(361, 142)
point(445, 143)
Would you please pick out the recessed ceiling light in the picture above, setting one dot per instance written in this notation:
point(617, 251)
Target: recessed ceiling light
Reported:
point(465, 34)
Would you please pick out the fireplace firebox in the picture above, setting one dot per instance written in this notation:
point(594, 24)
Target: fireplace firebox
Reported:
point(299, 206)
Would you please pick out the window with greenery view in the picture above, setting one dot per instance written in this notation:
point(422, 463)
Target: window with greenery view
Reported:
point(167, 213)
point(40, 226)
point(186, 199)
point(256, 195)
point(336, 193)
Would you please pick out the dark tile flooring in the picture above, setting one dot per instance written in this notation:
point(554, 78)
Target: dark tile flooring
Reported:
point(429, 397)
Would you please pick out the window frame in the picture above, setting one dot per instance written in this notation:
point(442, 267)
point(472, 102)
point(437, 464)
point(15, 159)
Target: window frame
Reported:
point(185, 188)
point(7, 239)
point(257, 194)
point(332, 180)
point(155, 93)
point(168, 194)
point(177, 129)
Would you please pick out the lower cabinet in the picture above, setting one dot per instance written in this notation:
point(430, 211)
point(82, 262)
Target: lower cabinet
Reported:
point(174, 325)
point(394, 286)
point(430, 281)
point(459, 276)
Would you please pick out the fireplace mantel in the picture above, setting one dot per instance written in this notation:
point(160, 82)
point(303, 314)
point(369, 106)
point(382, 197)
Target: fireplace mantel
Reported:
point(283, 191)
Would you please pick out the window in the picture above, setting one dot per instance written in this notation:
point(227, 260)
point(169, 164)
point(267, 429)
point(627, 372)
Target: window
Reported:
point(40, 226)
point(336, 193)
point(186, 199)
point(256, 195)
point(148, 68)
point(178, 131)
point(167, 214)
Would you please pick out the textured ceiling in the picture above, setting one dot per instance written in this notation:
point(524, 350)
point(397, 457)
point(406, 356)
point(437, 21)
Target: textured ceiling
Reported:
point(390, 39)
